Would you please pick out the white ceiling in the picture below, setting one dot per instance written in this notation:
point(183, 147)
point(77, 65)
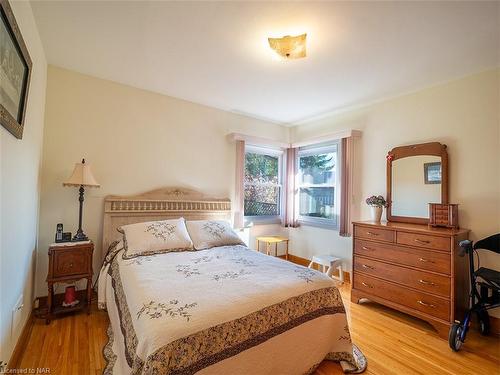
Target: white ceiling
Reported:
point(216, 53)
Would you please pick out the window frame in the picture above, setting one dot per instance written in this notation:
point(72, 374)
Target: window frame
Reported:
point(267, 219)
point(313, 150)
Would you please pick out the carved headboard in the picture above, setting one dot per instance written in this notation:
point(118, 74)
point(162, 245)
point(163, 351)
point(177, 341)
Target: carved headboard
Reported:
point(159, 204)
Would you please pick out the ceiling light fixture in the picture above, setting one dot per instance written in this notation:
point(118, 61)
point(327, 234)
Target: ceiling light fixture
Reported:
point(289, 47)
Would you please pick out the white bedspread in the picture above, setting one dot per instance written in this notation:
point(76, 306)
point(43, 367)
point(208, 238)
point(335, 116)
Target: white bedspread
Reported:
point(221, 310)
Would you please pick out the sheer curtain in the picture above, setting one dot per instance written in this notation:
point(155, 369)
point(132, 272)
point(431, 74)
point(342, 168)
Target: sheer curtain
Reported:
point(290, 214)
point(239, 204)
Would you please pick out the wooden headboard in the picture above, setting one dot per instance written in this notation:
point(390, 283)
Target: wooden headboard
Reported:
point(159, 204)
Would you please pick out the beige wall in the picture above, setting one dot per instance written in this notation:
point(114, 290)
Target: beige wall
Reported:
point(463, 114)
point(136, 141)
point(19, 192)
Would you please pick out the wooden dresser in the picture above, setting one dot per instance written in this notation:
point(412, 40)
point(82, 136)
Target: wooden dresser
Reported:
point(412, 268)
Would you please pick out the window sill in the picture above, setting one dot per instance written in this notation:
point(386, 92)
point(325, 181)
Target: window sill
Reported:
point(262, 220)
point(319, 224)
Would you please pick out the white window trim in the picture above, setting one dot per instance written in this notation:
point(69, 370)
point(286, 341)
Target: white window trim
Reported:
point(316, 221)
point(271, 219)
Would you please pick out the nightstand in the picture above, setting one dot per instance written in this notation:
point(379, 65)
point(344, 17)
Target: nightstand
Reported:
point(269, 241)
point(69, 262)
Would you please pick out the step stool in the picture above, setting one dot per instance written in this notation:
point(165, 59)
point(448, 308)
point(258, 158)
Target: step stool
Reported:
point(331, 262)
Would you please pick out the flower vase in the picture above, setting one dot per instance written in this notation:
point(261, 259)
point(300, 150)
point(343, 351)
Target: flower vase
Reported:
point(376, 213)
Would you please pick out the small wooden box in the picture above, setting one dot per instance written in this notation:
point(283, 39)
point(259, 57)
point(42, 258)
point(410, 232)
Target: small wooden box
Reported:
point(443, 215)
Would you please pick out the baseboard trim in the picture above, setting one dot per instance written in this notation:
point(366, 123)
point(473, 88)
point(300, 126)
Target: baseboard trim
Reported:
point(494, 325)
point(22, 341)
point(305, 262)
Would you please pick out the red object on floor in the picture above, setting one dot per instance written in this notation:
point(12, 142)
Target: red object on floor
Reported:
point(69, 295)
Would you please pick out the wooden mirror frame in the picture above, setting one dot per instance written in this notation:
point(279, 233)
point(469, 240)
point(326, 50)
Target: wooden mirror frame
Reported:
point(431, 149)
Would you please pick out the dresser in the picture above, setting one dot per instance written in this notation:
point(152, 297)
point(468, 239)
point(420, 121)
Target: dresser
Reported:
point(412, 268)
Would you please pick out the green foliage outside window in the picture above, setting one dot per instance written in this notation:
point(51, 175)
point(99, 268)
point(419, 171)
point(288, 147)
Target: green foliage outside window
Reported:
point(261, 168)
point(322, 162)
point(262, 193)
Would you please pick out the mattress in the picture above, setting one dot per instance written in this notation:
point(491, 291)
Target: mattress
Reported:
point(225, 310)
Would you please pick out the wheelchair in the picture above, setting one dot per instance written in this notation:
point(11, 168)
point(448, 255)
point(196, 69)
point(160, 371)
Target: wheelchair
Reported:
point(484, 291)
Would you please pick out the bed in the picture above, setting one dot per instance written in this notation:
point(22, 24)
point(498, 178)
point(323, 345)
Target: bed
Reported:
point(222, 310)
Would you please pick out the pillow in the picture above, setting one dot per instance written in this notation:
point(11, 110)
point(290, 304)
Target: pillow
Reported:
point(210, 233)
point(154, 237)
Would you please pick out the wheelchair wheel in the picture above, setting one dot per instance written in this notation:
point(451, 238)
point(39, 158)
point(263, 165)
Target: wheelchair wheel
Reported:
point(454, 337)
point(484, 322)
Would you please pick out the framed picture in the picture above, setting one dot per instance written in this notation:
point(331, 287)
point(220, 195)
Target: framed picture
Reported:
point(15, 72)
point(432, 173)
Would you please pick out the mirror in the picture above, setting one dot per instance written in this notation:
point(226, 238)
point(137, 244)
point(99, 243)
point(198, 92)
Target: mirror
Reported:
point(416, 176)
point(416, 181)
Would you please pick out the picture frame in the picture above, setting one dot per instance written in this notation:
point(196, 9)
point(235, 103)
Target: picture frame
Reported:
point(432, 173)
point(15, 73)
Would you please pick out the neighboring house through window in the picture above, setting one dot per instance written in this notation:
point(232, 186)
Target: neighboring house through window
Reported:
point(263, 184)
point(318, 184)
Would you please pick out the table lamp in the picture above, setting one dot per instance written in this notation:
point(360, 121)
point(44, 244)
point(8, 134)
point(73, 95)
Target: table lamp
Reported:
point(81, 176)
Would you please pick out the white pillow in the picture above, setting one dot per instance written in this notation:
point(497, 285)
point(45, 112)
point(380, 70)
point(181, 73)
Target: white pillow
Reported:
point(210, 233)
point(154, 237)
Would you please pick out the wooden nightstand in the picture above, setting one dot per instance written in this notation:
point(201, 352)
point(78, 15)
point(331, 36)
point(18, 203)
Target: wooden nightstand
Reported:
point(69, 262)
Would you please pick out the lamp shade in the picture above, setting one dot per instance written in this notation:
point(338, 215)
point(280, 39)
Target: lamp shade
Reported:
point(81, 176)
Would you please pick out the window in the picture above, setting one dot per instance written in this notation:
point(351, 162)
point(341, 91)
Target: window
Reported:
point(318, 184)
point(263, 170)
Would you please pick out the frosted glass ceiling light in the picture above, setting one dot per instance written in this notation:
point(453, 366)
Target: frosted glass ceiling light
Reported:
point(289, 47)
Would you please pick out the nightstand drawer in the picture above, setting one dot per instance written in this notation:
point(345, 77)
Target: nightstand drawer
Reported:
point(69, 262)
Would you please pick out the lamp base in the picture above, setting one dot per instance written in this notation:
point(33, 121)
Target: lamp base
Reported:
point(80, 236)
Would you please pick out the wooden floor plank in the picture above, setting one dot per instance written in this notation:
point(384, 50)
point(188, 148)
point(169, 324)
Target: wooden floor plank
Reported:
point(393, 342)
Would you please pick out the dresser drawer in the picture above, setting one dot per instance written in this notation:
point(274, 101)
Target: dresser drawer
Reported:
point(375, 234)
point(420, 301)
point(71, 262)
point(425, 260)
point(424, 240)
point(427, 282)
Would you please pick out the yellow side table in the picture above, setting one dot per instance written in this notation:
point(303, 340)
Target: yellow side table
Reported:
point(269, 241)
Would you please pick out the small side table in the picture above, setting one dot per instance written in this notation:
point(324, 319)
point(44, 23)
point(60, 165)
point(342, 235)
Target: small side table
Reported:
point(69, 262)
point(269, 241)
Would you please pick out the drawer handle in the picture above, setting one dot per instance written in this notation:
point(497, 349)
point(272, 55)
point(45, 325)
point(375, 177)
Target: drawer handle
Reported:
point(425, 260)
point(367, 248)
point(426, 304)
point(367, 285)
point(422, 241)
point(425, 282)
point(367, 266)
point(71, 265)
point(372, 234)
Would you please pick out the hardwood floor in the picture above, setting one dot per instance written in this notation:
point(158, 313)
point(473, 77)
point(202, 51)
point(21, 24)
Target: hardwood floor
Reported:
point(394, 343)
point(69, 345)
